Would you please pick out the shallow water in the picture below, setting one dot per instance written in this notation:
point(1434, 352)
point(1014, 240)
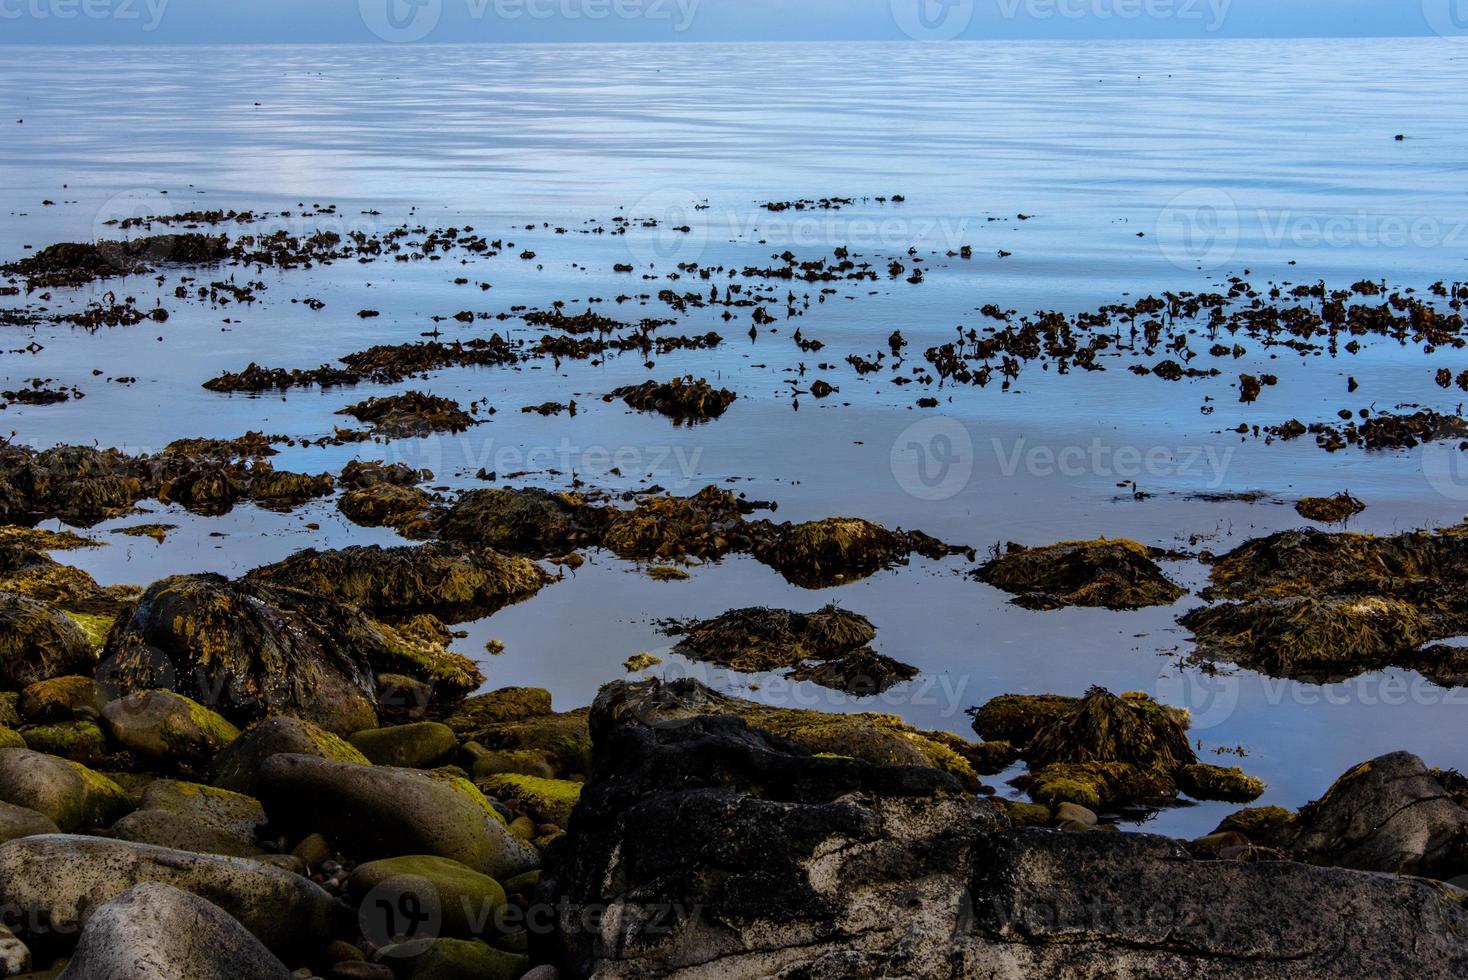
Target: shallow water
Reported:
point(1224, 156)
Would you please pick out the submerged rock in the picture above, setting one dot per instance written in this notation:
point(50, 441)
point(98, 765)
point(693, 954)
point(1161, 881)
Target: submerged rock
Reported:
point(1115, 574)
point(389, 505)
point(454, 582)
point(156, 932)
point(759, 639)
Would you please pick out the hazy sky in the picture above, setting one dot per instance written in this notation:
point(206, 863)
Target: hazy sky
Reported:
point(502, 21)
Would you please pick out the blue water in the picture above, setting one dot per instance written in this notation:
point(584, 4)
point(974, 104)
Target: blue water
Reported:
point(1141, 168)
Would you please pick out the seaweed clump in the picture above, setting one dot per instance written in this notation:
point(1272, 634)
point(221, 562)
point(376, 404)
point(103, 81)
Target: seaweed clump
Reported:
point(1111, 574)
point(1334, 605)
point(682, 399)
point(837, 550)
point(829, 646)
point(1336, 509)
point(412, 414)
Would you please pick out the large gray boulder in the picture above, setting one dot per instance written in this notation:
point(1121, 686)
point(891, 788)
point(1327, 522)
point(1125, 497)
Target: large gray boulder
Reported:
point(377, 812)
point(1389, 814)
point(155, 932)
point(66, 792)
point(703, 848)
point(62, 880)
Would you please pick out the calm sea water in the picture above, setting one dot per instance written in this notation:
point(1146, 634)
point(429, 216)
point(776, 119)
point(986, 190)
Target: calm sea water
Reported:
point(1141, 168)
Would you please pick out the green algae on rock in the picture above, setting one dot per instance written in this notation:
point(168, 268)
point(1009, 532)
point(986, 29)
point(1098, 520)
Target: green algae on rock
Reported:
point(547, 799)
point(1111, 574)
point(37, 642)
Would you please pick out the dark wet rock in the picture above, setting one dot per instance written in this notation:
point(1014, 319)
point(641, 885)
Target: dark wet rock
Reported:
point(415, 746)
point(527, 521)
point(193, 817)
point(37, 642)
point(708, 524)
point(156, 932)
point(168, 730)
point(836, 845)
point(250, 650)
point(1389, 814)
point(78, 263)
point(1329, 606)
point(761, 639)
point(837, 550)
point(361, 474)
point(1336, 509)
point(1017, 718)
point(66, 792)
point(237, 768)
point(34, 575)
point(389, 505)
point(1113, 574)
point(60, 699)
point(66, 880)
point(375, 812)
point(682, 399)
point(454, 959)
point(410, 414)
point(876, 738)
point(80, 741)
point(450, 581)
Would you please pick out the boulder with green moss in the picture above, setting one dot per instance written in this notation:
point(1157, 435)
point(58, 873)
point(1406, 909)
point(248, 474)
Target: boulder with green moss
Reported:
point(11, 739)
point(9, 701)
point(67, 792)
point(194, 817)
point(38, 642)
point(1231, 784)
point(375, 812)
point(548, 800)
point(487, 762)
point(453, 959)
point(81, 740)
point(1015, 718)
point(237, 767)
point(1112, 574)
point(468, 901)
point(60, 699)
point(416, 746)
point(168, 729)
point(837, 550)
point(496, 707)
point(524, 521)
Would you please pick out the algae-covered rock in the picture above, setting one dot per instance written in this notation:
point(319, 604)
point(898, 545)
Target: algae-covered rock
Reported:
point(706, 525)
point(1103, 727)
point(165, 828)
point(528, 762)
point(389, 505)
point(411, 414)
point(376, 811)
point(67, 792)
point(80, 741)
point(60, 699)
point(467, 901)
point(250, 650)
point(65, 880)
point(38, 642)
point(837, 550)
point(525, 521)
point(682, 399)
point(1112, 574)
point(1335, 509)
point(1258, 823)
point(1015, 718)
point(162, 933)
point(561, 738)
point(1097, 785)
point(550, 800)
point(11, 739)
point(454, 582)
point(415, 746)
point(36, 575)
point(1232, 784)
point(453, 959)
point(232, 813)
point(168, 729)
point(237, 767)
point(496, 707)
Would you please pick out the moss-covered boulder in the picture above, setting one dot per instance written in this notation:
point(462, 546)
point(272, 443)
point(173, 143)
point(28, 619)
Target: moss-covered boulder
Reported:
point(1111, 574)
point(549, 800)
point(704, 525)
point(38, 642)
point(19, 821)
point(60, 699)
point(761, 639)
point(1097, 785)
point(561, 738)
point(487, 762)
point(250, 650)
point(164, 828)
point(1335, 509)
point(416, 746)
point(389, 505)
point(453, 959)
point(81, 741)
point(376, 812)
point(11, 739)
point(67, 792)
point(525, 521)
point(468, 901)
point(168, 729)
point(1231, 784)
point(451, 581)
point(237, 767)
point(234, 813)
point(497, 707)
point(1015, 718)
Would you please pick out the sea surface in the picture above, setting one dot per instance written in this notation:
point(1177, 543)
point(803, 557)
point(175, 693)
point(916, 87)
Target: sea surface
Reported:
point(1138, 168)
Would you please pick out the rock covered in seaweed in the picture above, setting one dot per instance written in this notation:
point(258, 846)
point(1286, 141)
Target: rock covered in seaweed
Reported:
point(838, 550)
point(525, 521)
point(1112, 574)
point(410, 414)
point(682, 399)
point(38, 643)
